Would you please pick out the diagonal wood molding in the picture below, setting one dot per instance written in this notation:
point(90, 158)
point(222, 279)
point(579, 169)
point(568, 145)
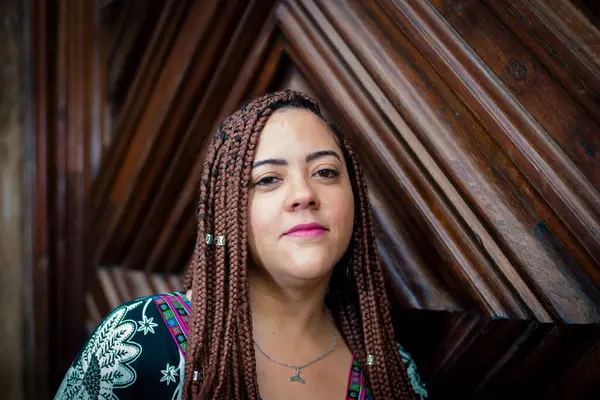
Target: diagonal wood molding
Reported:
point(355, 71)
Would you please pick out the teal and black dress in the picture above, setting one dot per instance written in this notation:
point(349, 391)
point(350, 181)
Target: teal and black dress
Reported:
point(138, 352)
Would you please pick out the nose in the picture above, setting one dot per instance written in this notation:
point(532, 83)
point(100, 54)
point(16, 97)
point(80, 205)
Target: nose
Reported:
point(302, 195)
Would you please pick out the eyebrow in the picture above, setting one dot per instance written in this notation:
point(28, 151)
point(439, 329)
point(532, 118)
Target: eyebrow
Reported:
point(310, 157)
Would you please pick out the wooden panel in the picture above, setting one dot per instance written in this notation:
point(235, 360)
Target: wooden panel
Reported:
point(71, 169)
point(131, 111)
point(465, 353)
point(16, 316)
point(146, 134)
point(163, 143)
point(522, 228)
point(399, 171)
point(128, 40)
point(67, 113)
point(548, 134)
point(112, 287)
point(566, 52)
point(233, 74)
point(39, 191)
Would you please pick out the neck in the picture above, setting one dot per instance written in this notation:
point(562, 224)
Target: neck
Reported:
point(291, 311)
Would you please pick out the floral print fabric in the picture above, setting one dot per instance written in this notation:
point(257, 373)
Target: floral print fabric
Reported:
point(138, 352)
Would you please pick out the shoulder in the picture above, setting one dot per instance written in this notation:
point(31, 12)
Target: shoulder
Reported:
point(141, 315)
point(413, 373)
point(113, 357)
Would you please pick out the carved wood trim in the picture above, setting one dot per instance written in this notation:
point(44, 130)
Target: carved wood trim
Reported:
point(237, 71)
point(341, 85)
point(585, 262)
point(202, 20)
point(556, 50)
point(522, 137)
point(38, 380)
point(572, 33)
point(144, 82)
point(66, 141)
point(105, 295)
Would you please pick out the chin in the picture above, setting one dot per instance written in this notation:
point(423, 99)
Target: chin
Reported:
point(310, 269)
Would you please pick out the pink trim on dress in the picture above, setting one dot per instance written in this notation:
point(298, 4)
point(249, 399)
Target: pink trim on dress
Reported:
point(182, 323)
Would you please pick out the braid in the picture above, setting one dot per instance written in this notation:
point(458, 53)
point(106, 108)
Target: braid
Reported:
point(221, 346)
point(202, 269)
point(246, 317)
point(231, 345)
point(216, 345)
point(365, 295)
point(388, 364)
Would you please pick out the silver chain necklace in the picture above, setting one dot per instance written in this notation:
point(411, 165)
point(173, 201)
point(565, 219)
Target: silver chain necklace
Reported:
point(297, 378)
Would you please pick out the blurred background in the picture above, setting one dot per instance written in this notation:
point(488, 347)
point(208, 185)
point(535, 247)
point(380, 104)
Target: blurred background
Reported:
point(477, 122)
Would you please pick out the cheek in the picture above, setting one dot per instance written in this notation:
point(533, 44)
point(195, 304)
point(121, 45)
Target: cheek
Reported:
point(343, 213)
point(261, 215)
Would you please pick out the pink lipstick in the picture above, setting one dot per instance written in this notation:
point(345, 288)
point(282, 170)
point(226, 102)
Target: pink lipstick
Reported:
point(307, 231)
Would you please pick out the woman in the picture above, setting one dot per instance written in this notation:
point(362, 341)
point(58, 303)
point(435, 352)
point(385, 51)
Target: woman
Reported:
point(285, 299)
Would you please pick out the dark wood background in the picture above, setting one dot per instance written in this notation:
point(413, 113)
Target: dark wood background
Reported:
point(477, 122)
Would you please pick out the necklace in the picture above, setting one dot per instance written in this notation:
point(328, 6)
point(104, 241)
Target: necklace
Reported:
point(297, 378)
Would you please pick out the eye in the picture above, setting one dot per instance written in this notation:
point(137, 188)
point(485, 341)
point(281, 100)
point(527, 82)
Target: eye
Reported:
point(267, 181)
point(327, 173)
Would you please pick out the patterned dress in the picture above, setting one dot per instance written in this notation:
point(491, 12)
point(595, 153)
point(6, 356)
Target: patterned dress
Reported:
point(138, 352)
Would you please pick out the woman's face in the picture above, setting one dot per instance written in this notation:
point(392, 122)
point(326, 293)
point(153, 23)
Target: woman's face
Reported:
point(301, 206)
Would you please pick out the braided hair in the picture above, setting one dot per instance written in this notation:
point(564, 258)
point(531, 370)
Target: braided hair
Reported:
point(220, 358)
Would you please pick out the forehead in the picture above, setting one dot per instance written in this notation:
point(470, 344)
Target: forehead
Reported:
point(294, 131)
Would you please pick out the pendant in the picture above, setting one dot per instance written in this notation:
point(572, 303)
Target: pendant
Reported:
point(296, 378)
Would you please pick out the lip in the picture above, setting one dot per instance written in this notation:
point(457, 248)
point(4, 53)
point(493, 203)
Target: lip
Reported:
point(306, 230)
